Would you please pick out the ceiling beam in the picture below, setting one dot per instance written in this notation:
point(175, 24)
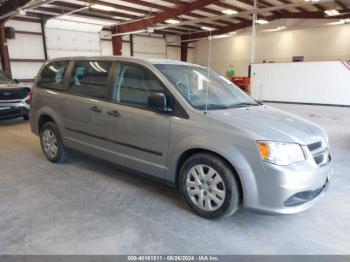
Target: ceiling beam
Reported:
point(10, 7)
point(94, 10)
point(223, 30)
point(343, 5)
point(313, 15)
point(163, 15)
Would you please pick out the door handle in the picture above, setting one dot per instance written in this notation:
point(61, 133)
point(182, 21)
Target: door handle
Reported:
point(114, 113)
point(96, 109)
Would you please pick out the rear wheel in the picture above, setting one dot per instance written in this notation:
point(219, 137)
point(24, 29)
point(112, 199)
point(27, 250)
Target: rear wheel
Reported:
point(209, 186)
point(51, 143)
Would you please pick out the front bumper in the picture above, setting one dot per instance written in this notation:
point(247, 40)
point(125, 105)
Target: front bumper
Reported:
point(288, 190)
point(13, 108)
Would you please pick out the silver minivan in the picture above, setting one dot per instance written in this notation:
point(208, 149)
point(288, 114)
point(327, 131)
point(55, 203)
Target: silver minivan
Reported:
point(185, 125)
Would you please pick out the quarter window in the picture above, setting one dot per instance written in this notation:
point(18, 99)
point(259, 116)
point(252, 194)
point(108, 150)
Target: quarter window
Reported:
point(52, 75)
point(134, 85)
point(90, 78)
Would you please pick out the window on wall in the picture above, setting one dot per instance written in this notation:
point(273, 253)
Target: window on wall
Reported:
point(52, 75)
point(90, 78)
point(134, 85)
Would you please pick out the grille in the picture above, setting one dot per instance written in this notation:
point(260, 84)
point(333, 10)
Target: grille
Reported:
point(315, 146)
point(320, 153)
point(14, 93)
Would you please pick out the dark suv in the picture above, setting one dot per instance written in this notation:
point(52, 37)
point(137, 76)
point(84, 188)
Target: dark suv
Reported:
point(14, 98)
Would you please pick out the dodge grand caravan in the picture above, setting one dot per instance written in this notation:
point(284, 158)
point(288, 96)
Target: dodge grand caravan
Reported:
point(186, 125)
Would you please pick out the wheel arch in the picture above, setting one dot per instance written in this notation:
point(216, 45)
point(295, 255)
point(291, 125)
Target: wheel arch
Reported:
point(190, 152)
point(43, 119)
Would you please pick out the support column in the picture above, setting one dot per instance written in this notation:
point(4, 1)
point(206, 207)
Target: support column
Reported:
point(253, 44)
point(184, 51)
point(43, 22)
point(117, 42)
point(4, 52)
point(131, 45)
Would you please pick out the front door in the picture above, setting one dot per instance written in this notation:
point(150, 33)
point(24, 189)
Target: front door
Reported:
point(137, 136)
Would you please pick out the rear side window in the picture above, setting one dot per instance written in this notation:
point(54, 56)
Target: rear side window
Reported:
point(52, 75)
point(90, 78)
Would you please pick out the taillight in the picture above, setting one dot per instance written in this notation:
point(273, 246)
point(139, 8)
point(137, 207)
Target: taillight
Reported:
point(30, 97)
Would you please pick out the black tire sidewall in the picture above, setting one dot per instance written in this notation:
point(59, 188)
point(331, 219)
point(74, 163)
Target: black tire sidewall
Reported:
point(231, 202)
point(60, 151)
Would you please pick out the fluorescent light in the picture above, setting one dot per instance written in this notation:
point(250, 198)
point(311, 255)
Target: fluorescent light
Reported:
point(172, 21)
point(279, 28)
point(224, 35)
point(229, 12)
point(332, 12)
point(103, 7)
point(207, 28)
point(261, 21)
point(341, 22)
point(311, 0)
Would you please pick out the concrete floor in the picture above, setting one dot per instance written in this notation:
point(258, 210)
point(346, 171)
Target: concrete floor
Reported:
point(87, 206)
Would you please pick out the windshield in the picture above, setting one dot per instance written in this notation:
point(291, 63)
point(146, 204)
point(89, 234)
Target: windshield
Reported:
point(4, 78)
point(192, 82)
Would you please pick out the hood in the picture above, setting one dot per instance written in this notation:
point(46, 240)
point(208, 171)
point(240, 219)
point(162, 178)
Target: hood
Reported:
point(267, 123)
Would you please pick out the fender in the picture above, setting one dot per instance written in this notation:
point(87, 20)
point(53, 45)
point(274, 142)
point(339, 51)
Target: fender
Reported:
point(217, 146)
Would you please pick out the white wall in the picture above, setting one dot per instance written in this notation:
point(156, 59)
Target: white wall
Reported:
point(315, 44)
point(309, 82)
point(63, 42)
point(25, 47)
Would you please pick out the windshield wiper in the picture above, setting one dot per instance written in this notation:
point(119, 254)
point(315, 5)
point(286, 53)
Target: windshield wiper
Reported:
point(213, 107)
point(243, 104)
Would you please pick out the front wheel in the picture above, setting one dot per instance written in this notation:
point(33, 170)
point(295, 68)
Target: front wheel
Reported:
point(51, 143)
point(209, 186)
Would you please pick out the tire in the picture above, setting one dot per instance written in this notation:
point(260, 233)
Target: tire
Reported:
point(221, 197)
point(50, 139)
point(26, 117)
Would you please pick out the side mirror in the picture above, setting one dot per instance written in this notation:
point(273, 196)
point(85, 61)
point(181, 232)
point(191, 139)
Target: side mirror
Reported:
point(16, 81)
point(158, 102)
point(260, 102)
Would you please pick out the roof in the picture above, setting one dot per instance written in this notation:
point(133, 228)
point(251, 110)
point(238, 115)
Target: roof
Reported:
point(124, 58)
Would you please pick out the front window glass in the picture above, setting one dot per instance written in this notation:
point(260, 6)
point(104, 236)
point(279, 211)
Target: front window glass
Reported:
point(5, 78)
point(200, 86)
point(134, 85)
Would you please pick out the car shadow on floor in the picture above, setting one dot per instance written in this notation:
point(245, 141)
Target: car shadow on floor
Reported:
point(13, 121)
point(144, 182)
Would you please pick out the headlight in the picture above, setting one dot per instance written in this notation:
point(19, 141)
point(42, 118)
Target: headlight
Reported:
point(327, 139)
point(280, 153)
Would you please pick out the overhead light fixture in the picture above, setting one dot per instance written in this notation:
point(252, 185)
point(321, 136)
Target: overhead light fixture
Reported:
point(279, 28)
point(208, 28)
point(311, 0)
point(332, 12)
point(261, 21)
point(224, 35)
point(341, 22)
point(172, 21)
point(229, 12)
point(150, 30)
point(103, 7)
point(345, 21)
